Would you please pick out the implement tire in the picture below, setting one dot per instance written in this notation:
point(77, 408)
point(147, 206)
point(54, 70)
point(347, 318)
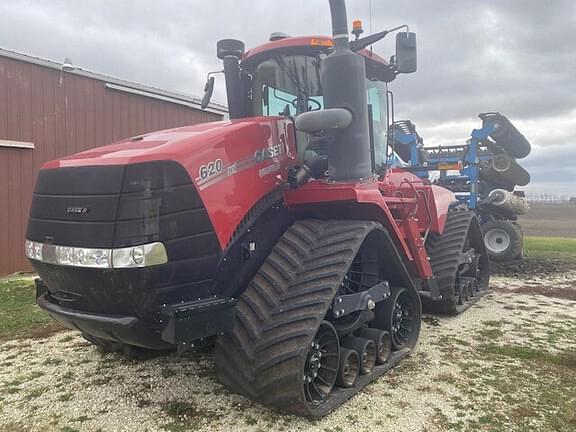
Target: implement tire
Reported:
point(503, 240)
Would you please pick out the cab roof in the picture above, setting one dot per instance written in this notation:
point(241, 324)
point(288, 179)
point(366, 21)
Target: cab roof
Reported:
point(315, 43)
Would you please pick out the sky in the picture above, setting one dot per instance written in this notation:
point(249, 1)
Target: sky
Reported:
point(517, 57)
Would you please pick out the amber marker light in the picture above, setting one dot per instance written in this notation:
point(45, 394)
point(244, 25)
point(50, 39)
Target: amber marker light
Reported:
point(357, 29)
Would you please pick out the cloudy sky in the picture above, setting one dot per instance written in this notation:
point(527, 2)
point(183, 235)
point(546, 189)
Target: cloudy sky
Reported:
point(513, 56)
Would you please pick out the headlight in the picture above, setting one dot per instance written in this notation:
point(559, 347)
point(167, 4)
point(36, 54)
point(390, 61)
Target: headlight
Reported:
point(140, 256)
point(79, 257)
point(135, 256)
point(33, 250)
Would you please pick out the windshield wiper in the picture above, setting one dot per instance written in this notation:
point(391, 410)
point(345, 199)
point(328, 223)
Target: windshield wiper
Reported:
point(294, 79)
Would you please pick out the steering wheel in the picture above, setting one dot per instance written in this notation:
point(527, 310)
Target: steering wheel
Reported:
point(314, 102)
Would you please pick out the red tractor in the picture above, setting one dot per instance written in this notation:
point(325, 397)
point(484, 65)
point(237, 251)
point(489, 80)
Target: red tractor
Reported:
point(281, 232)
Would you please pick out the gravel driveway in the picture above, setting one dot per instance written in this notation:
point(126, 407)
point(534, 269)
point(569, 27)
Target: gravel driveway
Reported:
point(509, 363)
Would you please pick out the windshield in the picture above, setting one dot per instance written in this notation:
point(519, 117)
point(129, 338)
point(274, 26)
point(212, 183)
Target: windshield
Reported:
point(288, 85)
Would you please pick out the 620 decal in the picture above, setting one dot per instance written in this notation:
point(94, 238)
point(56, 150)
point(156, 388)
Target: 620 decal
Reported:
point(210, 169)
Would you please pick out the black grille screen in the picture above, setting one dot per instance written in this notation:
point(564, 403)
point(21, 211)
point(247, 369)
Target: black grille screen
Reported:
point(121, 206)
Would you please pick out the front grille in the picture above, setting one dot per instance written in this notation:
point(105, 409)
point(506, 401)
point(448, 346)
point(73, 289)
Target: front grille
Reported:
point(121, 206)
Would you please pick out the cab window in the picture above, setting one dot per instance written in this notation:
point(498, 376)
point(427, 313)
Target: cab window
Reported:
point(276, 102)
point(376, 92)
point(286, 85)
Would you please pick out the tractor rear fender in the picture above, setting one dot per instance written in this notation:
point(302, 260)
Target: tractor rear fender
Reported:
point(355, 201)
point(440, 204)
point(433, 201)
point(362, 201)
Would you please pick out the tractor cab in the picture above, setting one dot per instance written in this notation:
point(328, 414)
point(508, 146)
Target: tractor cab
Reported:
point(287, 83)
point(282, 78)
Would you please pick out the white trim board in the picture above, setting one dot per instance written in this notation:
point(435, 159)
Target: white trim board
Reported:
point(16, 144)
point(174, 100)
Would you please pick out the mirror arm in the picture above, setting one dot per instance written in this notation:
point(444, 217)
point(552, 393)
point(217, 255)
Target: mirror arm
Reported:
point(364, 42)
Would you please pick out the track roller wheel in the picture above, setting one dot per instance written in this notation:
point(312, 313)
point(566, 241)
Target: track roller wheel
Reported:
point(402, 318)
point(383, 343)
point(349, 368)
point(366, 349)
point(321, 368)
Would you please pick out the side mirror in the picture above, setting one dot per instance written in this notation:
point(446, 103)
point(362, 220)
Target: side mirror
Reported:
point(406, 58)
point(208, 90)
point(333, 118)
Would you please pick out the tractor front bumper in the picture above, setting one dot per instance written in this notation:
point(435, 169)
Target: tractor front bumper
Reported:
point(182, 324)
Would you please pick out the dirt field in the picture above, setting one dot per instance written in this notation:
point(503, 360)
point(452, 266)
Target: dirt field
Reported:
point(509, 363)
point(550, 220)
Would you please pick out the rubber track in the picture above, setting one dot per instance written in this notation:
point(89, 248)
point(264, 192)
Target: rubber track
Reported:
point(281, 310)
point(444, 252)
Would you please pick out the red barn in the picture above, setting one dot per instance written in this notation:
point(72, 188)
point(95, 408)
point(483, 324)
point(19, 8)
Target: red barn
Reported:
point(49, 110)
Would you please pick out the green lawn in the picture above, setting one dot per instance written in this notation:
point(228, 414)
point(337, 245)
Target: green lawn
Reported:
point(19, 315)
point(550, 247)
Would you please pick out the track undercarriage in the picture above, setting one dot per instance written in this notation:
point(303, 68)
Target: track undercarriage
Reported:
point(306, 339)
point(460, 263)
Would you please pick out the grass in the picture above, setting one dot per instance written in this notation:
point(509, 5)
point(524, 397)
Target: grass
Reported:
point(513, 385)
point(19, 315)
point(37, 392)
point(550, 247)
point(65, 397)
point(566, 359)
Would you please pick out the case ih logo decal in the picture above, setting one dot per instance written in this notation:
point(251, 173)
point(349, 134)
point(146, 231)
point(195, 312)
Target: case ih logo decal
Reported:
point(214, 171)
point(77, 210)
point(266, 153)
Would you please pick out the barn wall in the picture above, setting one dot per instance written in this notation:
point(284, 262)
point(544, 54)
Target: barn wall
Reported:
point(61, 117)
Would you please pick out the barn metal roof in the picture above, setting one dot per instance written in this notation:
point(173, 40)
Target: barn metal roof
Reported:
point(119, 84)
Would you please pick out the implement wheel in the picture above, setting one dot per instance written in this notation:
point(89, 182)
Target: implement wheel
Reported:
point(503, 240)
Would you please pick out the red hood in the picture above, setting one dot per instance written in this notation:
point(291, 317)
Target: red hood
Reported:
point(221, 158)
point(172, 144)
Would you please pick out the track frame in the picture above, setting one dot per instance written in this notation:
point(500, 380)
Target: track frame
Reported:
point(279, 314)
point(446, 252)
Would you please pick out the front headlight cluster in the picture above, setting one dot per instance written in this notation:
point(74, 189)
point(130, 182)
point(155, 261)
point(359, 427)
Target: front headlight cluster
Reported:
point(146, 255)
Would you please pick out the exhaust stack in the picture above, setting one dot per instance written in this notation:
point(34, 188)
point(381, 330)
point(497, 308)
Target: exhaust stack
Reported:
point(343, 74)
